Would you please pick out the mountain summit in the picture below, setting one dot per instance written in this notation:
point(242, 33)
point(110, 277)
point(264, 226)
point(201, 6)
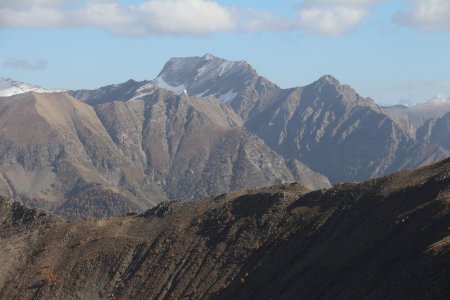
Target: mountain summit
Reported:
point(205, 76)
point(9, 87)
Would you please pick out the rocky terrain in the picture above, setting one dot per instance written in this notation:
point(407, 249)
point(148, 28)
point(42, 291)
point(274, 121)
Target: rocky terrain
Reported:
point(387, 238)
point(338, 133)
point(78, 160)
point(203, 126)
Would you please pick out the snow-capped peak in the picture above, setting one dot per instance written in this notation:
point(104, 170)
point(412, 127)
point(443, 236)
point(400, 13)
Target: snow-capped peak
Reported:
point(205, 76)
point(9, 87)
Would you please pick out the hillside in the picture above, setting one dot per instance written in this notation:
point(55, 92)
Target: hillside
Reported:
point(382, 239)
point(53, 147)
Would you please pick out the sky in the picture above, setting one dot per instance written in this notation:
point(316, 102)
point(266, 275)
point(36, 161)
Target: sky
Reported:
point(394, 51)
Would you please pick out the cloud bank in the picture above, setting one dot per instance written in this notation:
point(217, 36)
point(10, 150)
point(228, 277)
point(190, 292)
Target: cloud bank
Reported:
point(204, 17)
point(152, 17)
point(333, 17)
point(429, 15)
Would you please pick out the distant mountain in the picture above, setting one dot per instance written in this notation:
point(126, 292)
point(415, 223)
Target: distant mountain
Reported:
point(387, 238)
point(233, 82)
point(197, 75)
point(9, 87)
point(325, 125)
point(78, 160)
point(419, 114)
point(195, 147)
point(335, 131)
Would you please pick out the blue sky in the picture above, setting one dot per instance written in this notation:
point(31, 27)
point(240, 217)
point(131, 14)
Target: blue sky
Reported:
point(390, 50)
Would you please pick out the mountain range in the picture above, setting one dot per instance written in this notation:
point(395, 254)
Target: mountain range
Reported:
point(387, 238)
point(203, 126)
point(326, 125)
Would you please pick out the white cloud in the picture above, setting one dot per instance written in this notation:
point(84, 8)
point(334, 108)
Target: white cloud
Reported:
point(326, 17)
point(197, 17)
point(110, 16)
point(335, 20)
point(36, 17)
point(23, 4)
point(427, 14)
point(181, 17)
point(185, 16)
point(255, 20)
point(334, 17)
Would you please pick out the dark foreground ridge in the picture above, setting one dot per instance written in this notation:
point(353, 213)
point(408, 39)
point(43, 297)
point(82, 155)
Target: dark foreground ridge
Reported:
point(387, 238)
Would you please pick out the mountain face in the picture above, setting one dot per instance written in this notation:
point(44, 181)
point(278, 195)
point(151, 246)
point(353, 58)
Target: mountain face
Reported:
point(54, 151)
point(78, 161)
point(193, 147)
point(9, 87)
point(233, 82)
point(436, 131)
point(338, 133)
point(325, 125)
point(383, 239)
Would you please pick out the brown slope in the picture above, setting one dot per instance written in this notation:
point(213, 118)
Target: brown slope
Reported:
point(191, 147)
point(53, 145)
point(383, 239)
point(64, 155)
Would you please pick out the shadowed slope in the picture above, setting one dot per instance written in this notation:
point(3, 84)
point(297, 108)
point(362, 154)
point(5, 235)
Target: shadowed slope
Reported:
point(382, 239)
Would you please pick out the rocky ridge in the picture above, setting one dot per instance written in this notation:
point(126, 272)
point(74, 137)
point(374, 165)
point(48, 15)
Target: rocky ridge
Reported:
point(382, 239)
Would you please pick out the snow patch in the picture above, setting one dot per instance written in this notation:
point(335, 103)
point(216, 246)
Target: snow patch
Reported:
point(176, 89)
